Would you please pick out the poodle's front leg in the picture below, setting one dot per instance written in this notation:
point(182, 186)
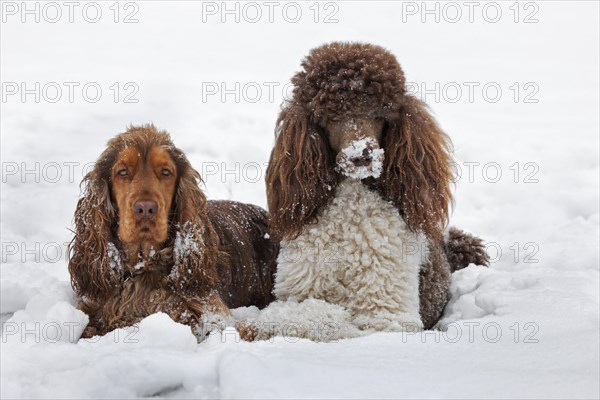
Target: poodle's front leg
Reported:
point(312, 319)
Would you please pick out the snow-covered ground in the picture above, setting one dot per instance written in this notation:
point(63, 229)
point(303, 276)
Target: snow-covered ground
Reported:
point(519, 98)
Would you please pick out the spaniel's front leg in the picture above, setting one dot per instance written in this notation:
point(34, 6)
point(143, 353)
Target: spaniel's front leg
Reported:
point(205, 314)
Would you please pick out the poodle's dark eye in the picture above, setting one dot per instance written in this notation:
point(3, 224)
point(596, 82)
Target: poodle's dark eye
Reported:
point(166, 172)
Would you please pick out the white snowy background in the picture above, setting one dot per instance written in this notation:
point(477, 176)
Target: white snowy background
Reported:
point(528, 326)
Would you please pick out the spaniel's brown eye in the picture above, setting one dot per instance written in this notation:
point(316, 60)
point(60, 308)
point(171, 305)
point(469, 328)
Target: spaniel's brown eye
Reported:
point(122, 172)
point(166, 172)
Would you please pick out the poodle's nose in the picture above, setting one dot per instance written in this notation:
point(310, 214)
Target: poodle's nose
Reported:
point(365, 158)
point(145, 209)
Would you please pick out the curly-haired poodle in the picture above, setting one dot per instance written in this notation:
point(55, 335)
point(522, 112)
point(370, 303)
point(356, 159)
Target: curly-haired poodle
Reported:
point(358, 189)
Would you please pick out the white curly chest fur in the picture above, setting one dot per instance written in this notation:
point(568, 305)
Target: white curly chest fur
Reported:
point(359, 255)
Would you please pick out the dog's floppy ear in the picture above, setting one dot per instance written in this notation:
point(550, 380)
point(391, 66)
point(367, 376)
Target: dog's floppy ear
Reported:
point(190, 201)
point(416, 175)
point(300, 177)
point(94, 262)
point(195, 241)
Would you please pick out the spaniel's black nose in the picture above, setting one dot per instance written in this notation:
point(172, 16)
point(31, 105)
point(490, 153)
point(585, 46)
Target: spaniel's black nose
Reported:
point(145, 209)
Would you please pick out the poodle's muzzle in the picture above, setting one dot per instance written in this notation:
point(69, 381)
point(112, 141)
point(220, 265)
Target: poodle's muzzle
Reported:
point(357, 144)
point(361, 159)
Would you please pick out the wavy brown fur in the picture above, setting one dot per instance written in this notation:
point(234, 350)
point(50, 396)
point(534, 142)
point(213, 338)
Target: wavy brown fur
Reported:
point(227, 262)
point(341, 80)
point(301, 178)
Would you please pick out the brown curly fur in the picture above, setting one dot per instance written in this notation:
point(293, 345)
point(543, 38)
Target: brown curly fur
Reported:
point(463, 249)
point(343, 80)
point(416, 172)
point(230, 264)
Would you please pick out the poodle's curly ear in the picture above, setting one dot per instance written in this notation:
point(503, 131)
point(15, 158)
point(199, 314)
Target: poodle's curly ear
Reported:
point(300, 177)
point(94, 262)
point(416, 175)
point(195, 246)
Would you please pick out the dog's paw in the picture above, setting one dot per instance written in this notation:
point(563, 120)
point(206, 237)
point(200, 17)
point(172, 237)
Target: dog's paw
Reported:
point(312, 319)
point(247, 331)
point(390, 322)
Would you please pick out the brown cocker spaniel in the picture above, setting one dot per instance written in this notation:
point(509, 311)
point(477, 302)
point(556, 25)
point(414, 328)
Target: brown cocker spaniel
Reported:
point(147, 240)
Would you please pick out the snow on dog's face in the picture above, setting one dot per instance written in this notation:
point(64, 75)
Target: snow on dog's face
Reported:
point(357, 144)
